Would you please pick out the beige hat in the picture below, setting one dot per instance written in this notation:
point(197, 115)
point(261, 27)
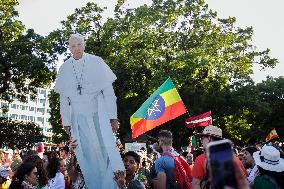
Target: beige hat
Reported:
point(211, 130)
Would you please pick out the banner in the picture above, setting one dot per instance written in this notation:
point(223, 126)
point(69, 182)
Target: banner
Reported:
point(135, 146)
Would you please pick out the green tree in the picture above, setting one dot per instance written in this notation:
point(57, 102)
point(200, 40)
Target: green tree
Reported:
point(59, 134)
point(26, 62)
point(249, 112)
point(19, 134)
point(205, 56)
point(25, 58)
point(268, 107)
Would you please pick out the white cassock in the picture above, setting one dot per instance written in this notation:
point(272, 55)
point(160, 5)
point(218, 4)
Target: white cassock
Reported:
point(89, 115)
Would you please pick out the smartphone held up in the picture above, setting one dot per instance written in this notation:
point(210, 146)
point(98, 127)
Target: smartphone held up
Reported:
point(221, 167)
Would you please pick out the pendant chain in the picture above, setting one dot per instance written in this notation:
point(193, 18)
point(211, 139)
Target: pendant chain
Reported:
point(79, 81)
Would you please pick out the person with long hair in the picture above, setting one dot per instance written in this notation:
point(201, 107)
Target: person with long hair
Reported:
point(26, 177)
point(42, 174)
point(56, 178)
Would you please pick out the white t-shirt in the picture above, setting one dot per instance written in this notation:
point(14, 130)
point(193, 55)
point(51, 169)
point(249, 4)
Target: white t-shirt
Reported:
point(57, 182)
point(252, 174)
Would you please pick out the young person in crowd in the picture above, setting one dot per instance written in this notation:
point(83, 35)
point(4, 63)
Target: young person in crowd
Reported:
point(56, 178)
point(131, 162)
point(63, 170)
point(251, 166)
point(271, 169)
point(26, 177)
point(165, 166)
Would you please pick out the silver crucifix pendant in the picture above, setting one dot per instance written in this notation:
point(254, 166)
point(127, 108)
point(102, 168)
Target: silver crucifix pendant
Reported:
point(79, 88)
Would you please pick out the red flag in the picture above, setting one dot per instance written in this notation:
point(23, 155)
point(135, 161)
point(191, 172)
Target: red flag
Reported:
point(201, 120)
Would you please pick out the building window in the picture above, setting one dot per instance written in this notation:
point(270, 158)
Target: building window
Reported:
point(23, 117)
point(40, 119)
point(31, 118)
point(32, 108)
point(42, 100)
point(40, 110)
point(14, 106)
point(14, 116)
point(24, 107)
point(32, 99)
point(4, 104)
point(4, 115)
point(42, 91)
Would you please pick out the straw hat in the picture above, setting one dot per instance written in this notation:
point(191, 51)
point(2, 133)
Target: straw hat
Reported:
point(269, 159)
point(211, 130)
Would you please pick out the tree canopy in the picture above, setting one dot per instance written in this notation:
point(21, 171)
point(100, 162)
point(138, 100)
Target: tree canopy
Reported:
point(19, 134)
point(209, 59)
point(26, 59)
point(26, 62)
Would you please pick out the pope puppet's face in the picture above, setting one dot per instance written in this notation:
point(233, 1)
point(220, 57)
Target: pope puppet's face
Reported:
point(77, 48)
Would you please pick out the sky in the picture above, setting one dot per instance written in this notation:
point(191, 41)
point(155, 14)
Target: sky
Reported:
point(264, 16)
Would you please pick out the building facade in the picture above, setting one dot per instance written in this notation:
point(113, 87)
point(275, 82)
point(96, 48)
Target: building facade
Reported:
point(35, 110)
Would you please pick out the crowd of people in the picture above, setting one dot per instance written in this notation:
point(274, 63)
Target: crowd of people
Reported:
point(255, 167)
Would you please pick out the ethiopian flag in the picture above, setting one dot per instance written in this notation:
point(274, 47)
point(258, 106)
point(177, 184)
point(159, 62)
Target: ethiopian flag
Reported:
point(271, 135)
point(163, 105)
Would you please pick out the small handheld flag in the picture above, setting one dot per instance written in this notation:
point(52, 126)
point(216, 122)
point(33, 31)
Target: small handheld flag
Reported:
point(163, 105)
point(201, 120)
point(271, 135)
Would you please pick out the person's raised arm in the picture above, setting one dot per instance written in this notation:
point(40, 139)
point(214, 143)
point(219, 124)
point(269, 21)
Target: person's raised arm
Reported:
point(70, 163)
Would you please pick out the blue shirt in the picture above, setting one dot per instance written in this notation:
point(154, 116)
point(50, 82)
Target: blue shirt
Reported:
point(166, 164)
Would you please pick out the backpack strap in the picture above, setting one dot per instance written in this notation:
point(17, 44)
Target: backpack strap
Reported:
point(169, 154)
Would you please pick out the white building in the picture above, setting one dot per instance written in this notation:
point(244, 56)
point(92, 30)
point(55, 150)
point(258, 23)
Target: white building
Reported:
point(35, 110)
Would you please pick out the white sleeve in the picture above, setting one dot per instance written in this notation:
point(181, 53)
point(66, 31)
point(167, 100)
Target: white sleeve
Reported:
point(65, 110)
point(110, 101)
point(59, 182)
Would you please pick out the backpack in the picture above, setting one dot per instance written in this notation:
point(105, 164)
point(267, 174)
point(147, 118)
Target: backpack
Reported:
point(182, 172)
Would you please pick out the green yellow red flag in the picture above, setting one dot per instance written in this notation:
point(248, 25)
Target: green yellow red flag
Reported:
point(163, 105)
point(271, 135)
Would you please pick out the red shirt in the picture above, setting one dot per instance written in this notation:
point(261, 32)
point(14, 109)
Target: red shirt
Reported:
point(199, 167)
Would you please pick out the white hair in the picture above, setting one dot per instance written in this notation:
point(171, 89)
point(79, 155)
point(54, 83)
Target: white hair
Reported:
point(76, 36)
